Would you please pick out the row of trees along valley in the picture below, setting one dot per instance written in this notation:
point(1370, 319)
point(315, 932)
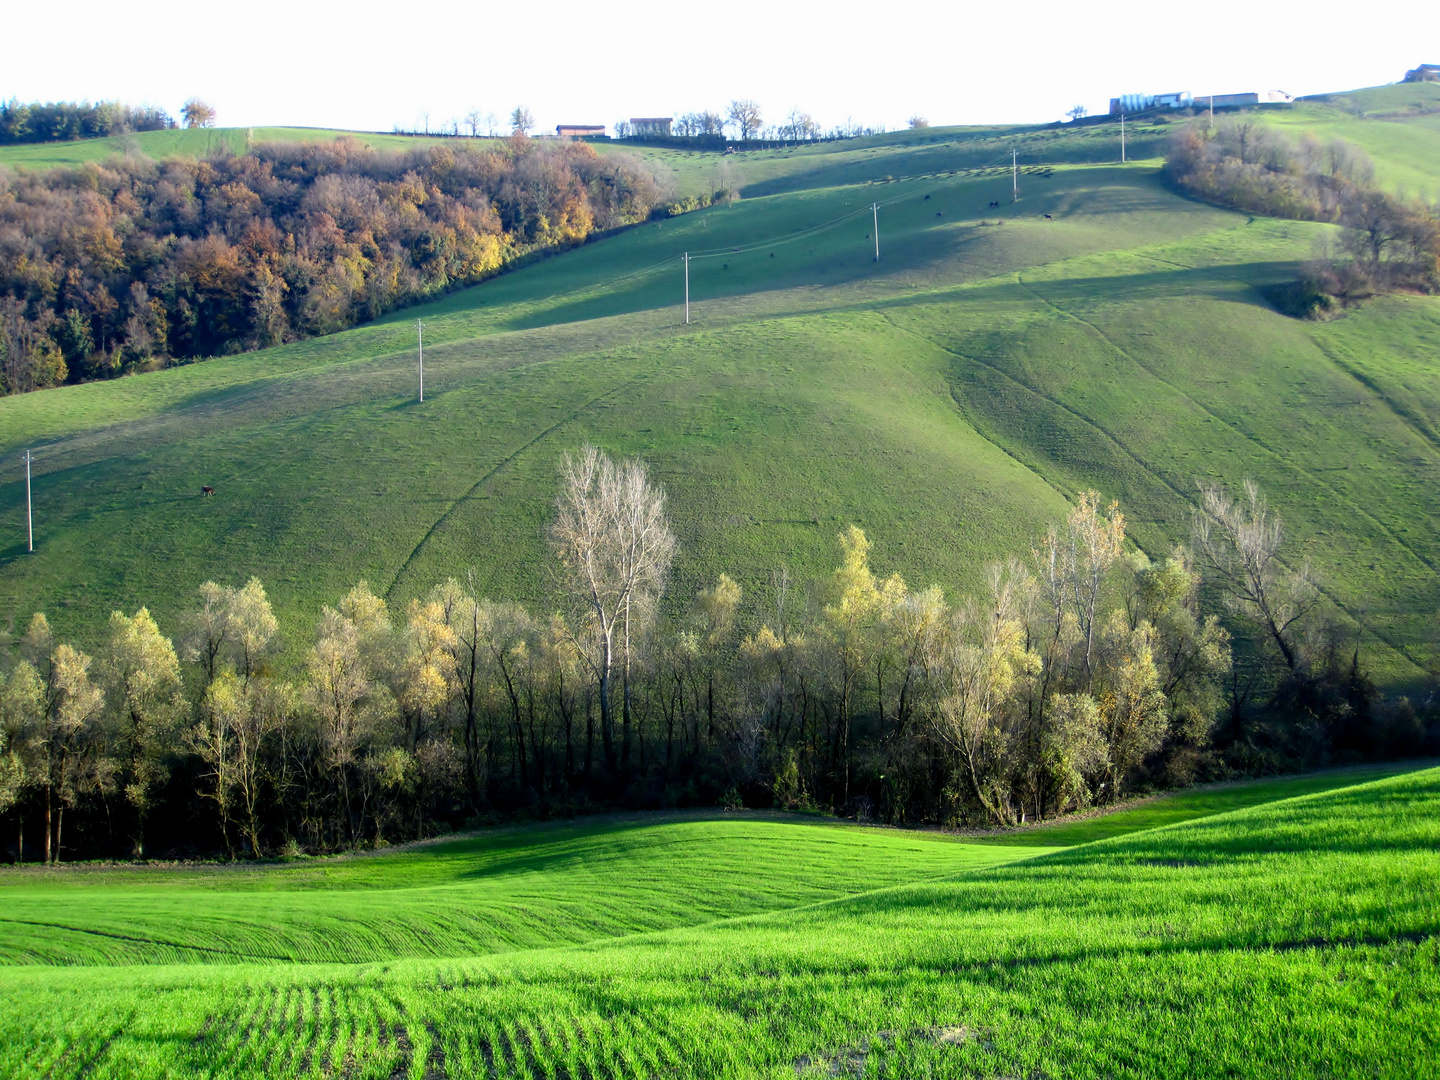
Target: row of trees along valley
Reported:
point(107, 268)
point(1386, 242)
point(1081, 673)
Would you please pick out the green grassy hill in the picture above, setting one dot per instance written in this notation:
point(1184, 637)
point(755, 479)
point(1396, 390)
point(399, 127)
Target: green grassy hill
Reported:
point(764, 946)
point(1398, 126)
point(949, 399)
point(186, 142)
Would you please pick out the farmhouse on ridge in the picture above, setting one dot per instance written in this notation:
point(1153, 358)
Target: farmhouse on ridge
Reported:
point(1137, 103)
point(1133, 103)
point(579, 131)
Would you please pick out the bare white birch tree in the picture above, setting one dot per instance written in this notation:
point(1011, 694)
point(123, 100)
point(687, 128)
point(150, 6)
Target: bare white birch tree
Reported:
point(615, 547)
point(1239, 539)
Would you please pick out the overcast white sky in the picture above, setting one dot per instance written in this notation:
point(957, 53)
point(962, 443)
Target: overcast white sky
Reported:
point(372, 66)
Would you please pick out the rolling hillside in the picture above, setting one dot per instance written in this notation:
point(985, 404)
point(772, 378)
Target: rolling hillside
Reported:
point(949, 399)
point(764, 947)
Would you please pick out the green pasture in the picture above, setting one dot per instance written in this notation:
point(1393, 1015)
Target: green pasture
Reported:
point(189, 143)
point(1398, 126)
point(1294, 937)
point(949, 399)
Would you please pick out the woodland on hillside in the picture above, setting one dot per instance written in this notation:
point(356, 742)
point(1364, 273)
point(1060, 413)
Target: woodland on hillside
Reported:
point(1082, 673)
point(64, 121)
point(1386, 242)
point(131, 264)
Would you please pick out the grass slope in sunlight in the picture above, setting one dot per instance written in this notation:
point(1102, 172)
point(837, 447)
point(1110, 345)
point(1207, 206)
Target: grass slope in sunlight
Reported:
point(949, 399)
point(1291, 938)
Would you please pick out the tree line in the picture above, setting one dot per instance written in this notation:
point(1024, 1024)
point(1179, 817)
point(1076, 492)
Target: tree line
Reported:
point(64, 121)
point(1080, 673)
point(130, 264)
point(1386, 242)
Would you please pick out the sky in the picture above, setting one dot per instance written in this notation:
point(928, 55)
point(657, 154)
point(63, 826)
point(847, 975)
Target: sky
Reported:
point(370, 66)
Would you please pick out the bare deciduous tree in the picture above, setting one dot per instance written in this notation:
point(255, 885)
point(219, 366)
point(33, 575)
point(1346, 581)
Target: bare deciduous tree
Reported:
point(141, 674)
point(237, 717)
point(521, 120)
point(615, 546)
point(745, 115)
point(234, 626)
point(341, 687)
point(1239, 540)
point(976, 665)
point(1072, 563)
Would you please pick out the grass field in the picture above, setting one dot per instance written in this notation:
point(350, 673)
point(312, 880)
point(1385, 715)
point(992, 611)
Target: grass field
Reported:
point(949, 399)
point(765, 946)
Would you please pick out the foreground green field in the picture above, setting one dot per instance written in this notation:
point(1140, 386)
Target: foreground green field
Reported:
point(766, 948)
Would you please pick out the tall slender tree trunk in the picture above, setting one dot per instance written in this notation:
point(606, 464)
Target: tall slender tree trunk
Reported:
point(607, 719)
point(589, 732)
point(625, 693)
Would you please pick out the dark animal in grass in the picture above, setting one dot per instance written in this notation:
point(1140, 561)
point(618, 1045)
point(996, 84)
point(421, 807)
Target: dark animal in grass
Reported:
point(1049, 217)
point(939, 213)
point(927, 197)
point(206, 490)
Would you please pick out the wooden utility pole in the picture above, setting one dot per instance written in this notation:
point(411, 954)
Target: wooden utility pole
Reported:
point(1014, 176)
point(875, 210)
point(420, 341)
point(1122, 138)
point(687, 288)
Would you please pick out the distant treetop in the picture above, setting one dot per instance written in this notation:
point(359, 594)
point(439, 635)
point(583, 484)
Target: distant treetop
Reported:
point(198, 114)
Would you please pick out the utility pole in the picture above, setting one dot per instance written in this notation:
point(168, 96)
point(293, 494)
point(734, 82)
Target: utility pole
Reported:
point(687, 288)
point(29, 511)
point(1014, 176)
point(1212, 112)
point(1122, 138)
point(875, 210)
point(420, 340)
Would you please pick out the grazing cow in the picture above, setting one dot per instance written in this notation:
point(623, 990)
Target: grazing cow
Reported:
point(927, 196)
point(1049, 217)
point(993, 205)
point(939, 213)
point(206, 490)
